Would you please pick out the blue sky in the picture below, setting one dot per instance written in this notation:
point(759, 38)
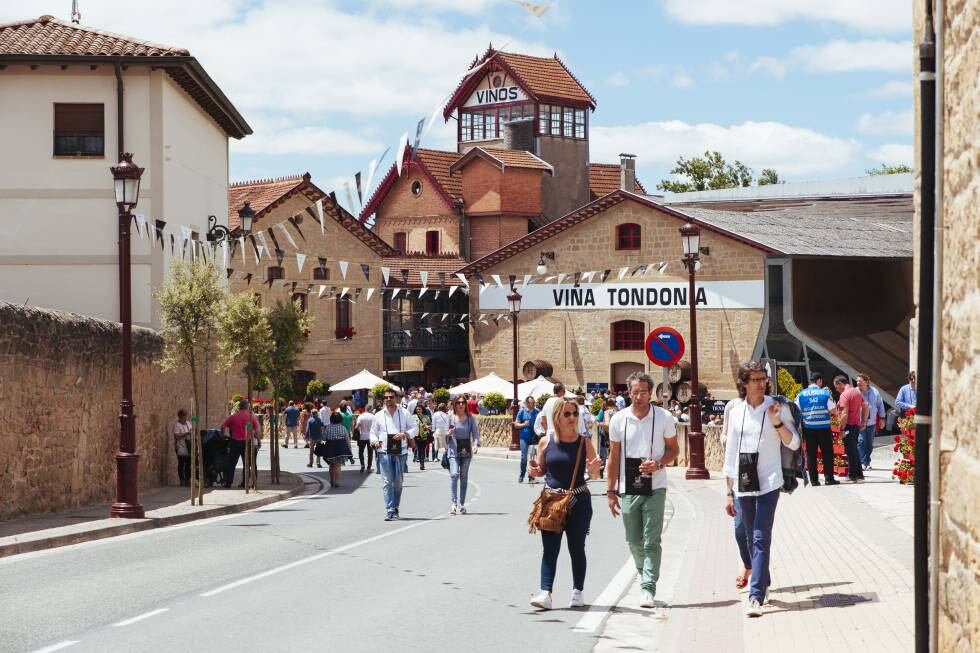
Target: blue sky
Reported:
point(818, 90)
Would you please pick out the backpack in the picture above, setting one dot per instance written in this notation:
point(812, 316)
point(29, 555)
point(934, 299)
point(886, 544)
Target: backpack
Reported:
point(793, 462)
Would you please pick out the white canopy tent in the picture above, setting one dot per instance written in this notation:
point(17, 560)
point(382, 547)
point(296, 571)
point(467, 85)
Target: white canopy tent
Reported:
point(361, 380)
point(535, 388)
point(489, 383)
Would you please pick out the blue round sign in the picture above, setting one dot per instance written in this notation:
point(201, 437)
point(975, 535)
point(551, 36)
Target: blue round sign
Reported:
point(664, 346)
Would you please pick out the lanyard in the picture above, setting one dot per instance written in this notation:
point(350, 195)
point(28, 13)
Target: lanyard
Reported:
point(741, 429)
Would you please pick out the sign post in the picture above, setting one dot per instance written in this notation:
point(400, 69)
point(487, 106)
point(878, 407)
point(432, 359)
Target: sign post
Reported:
point(664, 347)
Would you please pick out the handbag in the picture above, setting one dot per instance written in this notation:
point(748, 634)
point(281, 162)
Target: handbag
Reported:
point(445, 460)
point(320, 448)
point(552, 506)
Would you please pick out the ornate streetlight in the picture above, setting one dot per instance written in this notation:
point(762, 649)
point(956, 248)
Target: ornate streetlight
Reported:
point(126, 181)
point(690, 239)
point(515, 309)
point(246, 215)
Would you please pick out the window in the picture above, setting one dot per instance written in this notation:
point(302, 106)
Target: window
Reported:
point(628, 335)
point(628, 236)
point(568, 122)
point(401, 242)
point(301, 298)
point(321, 273)
point(432, 243)
point(466, 126)
point(555, 120)
point(344, 328)
point(275, 272)
point(544, 112)
point(416, 188)
point(580, 123)
point(79, 130)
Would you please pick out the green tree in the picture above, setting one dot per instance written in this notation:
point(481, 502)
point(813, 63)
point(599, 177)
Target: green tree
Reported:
point(769, 176)
point(288, 323)
point(788, 387)
point(542, 400)
point(378, 392)
point(441, 396)
point(316, 388)
point(710, 172)
point(888, 170)
point(246, 344)
point(494, 402)
point(191, 303)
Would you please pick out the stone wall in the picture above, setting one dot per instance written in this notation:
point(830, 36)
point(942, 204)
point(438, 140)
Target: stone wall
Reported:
point(60, 387)
point(494, 430)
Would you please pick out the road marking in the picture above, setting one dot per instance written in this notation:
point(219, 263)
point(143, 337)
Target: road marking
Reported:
point(145, 615)
point(57, 647)
point(608, 599)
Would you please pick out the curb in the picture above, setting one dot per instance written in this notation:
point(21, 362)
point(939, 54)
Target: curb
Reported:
point(126, 527)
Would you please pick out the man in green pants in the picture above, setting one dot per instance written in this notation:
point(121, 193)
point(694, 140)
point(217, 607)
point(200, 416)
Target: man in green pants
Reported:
point(643, 440)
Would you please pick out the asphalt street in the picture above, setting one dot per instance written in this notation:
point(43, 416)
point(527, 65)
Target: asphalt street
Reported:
point(321, 570)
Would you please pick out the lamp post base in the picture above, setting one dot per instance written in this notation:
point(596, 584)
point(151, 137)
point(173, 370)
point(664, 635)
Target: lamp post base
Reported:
point(515, 439)
point(696, 470)
point(127, 487)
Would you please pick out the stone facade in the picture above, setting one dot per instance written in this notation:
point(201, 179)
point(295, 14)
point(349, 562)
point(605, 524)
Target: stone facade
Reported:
point(404, 212)
point(61, 384)
point(330, 357)
point(578, 342)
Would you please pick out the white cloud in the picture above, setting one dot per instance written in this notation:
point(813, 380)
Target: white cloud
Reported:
point(847, 56)
point(888, 122)
point(892, 154)
point(892, 89)
point(774, 67)
point(618, 79)
point(682, 80)
point(791, 150)
point(287, 137)
point(866, 15)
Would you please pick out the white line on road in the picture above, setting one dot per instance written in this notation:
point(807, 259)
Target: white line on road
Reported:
point(57, 647)
point(145, 615)
point(608, 599)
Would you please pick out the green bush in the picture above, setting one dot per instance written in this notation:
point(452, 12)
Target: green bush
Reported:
point(542, 400)
point(440, 396)
point(236, 399)
point(317, 388)
point(308, 405)
point(788, 387)
point(260, 383)
point(378, 392)
point(494, 402)
point(596, 405)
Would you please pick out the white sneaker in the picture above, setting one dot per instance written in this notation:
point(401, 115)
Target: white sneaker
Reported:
point(646, 600)
point(576, 601)
point(753, 609)
point(453, 510)
point(462, 509)
point(542, 601)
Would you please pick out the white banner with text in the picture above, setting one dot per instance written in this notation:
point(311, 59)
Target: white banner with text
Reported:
point(653, 295)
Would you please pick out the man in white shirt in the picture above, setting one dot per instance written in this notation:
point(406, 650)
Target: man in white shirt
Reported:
point(392, 434)
point(363, 425)
point(550, 405)
point(642, 441)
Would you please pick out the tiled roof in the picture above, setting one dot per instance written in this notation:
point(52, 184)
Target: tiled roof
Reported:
point(544, 78)
point(49, 36)
point(47, 40)
point(414, 263)
point(435, 164)
point(604, 179)
point(503, 158)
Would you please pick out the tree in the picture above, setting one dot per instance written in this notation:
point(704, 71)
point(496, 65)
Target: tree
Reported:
point(710, 172)
point(191, 303)
point(317, 389)
point(378, 392)
point(246, 342)
point(888, 170)
point(769, 176)
point(441, 396)
point(288, 323)
point(494, 402)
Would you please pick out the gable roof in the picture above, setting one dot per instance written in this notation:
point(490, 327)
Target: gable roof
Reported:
point(47, 40)
point(542, 78)
point(434, 165)
point(604, 179)
point(265, 195)
point(503, 159)
point(585, 213)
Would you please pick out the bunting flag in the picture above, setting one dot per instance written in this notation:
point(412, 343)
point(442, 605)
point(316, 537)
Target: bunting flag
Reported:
point(641, 269)
point(588, 276)
point(437, 294)
point(141, 223)
point(242, 243)
point(462, 278)
point(270, 281)
point(350, 198)
point(424, 275)
point(336, 204)
point(408, 333)
point(323, 289)
point(248, 278)
point(578, 277)
point(464, 316)
point(171, 244)
point(285, 232)
point(344, 292)
point(534, 8)
point(496, 280)
point(343, 268)
point(561, 277)
point(258, 254)
point(527, 279)
point(160, 224)
point(445, 316)
point(185, 235)
point(395, 293)
point(224, 253)
point(279, 256)
point(423, 316)
point(319, 213)
point(418, 136)
point(452, 289)
point(404, 272)
point(300, 261)
point(462, 326)
point(400, 152)
point(357, 183)
point(662, 268)
point(432, 118)
point(429, 329)
point(422, 292)
point(479, 279)
point(442, 279)
point(366, 270)
point(370, 291)
point(370, 175)
point(385, 273)
point(333, 290)
point(549, 278)
point(605, 275)
point(322, 260)
point(622, 272)
point(513, 280)
point(228, 273)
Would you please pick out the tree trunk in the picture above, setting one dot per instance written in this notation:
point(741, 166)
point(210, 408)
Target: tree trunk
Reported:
point(247, 469)
point(274, 439)
point(197, 460)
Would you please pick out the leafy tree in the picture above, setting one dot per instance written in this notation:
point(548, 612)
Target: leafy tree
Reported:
point(788, 387)
point(888, 170)
point(542, 400)
point(260, 384)
point(710, 172)
point(441, 396)
point(246, 343)
point(769, 176)
point(596, 406)
point(494, 402)
point(378, 392)
point(191, 303)
point(288, 323)
point(317, 388)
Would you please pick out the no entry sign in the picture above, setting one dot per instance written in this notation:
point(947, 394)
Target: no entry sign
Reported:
point(664, 346)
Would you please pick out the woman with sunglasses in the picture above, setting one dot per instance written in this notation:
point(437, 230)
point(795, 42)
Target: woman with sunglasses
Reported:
point(556, 461)
point(461, 446)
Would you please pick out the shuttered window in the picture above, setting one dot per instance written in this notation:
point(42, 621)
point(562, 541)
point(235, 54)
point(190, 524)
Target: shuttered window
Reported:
point(79, 130)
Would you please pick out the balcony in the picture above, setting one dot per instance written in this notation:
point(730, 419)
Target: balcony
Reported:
point(442, 341)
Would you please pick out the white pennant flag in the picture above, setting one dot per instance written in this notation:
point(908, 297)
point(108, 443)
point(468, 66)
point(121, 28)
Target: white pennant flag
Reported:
point(323, 289)
point(424, 276)
point(422, 292)
point(224, 253)
point(463, 317)
point(429, 329)
point(527, 279)
point(496, 279)
point(344, 291)
point(561, 277)
point(462, 278)
point(445, 316)
point(185, 235)
point(587, 277)
point(370, 291)
point(241, 242)
point(622, 272)
point(300, 261)
point(350, 198)
point(549, 278)
point(370, 175)
point(288, 236)
point(319, 212)
point(265, 245)
point(343, 268)
point(462, 326)
point(141, 223)
point(483, 287)
point(395, 294)
point(400, 152)
point(408, 333)
point(385, 272)
point(452, 289)
point(423, 316)
point(258, 255)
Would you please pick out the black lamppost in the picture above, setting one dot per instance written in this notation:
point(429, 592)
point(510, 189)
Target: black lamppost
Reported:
point(690, 238)
point(126, 181)
point(515, 309)
point(246, 215)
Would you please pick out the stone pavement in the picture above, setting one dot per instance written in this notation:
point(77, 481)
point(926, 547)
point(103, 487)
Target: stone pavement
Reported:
point(163, 506)
point(841, 569)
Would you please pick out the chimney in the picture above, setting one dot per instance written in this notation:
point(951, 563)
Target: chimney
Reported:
point(627, 172)
point(519, 135)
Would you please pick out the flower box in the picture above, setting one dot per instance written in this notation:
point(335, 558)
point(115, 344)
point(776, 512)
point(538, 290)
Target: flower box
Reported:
point(840, 450)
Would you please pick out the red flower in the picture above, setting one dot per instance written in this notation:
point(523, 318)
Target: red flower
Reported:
point(912, 458)
point(898, 438)
point(896, 447)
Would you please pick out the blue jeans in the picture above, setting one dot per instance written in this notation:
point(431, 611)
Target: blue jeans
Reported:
point(851, 449)
point(404, 459)
point(742, 537)
point(866, 442)
point(525, 445)
point(576, 528)
point(392, 477)
point(758, 514)
point(377, 460)
point(459, 476)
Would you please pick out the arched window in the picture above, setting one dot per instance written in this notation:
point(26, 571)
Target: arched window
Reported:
point(345, 330)
point(628, 335)
point(628, 236)
point(401, 242)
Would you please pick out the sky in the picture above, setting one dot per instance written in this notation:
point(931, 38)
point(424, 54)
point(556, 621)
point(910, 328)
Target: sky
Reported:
point(816, 90)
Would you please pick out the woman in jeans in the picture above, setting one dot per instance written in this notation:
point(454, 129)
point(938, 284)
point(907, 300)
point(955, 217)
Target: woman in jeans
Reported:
point(182, 430)
point(463, 438)
point(757, 428)
point(425, 431)
point(556, 461)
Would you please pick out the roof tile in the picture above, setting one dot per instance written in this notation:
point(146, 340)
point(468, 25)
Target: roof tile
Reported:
point(49, 36)
point(604, 179)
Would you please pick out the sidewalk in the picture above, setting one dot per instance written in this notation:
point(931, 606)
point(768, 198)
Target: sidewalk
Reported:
point(163, 507)
point(841, 568)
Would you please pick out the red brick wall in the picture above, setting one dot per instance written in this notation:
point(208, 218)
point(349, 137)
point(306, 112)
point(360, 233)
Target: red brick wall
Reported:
point(481, 187)
point(521, 191)
point(491, 232)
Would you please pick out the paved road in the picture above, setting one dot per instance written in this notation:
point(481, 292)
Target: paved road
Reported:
point(322, 570)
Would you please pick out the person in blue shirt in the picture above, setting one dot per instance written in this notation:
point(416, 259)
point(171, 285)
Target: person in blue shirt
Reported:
point(817, 405)
point(906, 395)
point(525, 422)
point(876, 416)
point(291, 418)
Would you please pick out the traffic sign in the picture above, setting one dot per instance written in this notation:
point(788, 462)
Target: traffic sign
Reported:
point(664, 346)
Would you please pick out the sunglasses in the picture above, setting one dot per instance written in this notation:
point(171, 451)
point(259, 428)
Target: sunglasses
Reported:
point(389, 396)
point(570, 414)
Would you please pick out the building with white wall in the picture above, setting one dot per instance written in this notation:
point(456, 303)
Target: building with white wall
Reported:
point(71, 99)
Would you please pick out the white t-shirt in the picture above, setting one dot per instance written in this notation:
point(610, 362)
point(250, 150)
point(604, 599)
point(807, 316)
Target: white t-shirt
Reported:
point(364, 423)
point(325, 414)
point(751, 428)
point(644, 438)
point(440, 421)
point(538, 426)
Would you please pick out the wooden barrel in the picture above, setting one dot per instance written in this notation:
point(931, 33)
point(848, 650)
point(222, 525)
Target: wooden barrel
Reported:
point(664, 392)
point(678, 372)
point(534, 369)
point(682, 391)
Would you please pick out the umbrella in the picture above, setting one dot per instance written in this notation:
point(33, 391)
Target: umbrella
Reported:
point(489, 383)
point(362, 379)
point(535, 388)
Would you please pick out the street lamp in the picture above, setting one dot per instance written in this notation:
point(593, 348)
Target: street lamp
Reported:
point(246, 215)
point(515, 309)
point(542, 268)
point(126, 181)
point(690, 239)
point(216, 232)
